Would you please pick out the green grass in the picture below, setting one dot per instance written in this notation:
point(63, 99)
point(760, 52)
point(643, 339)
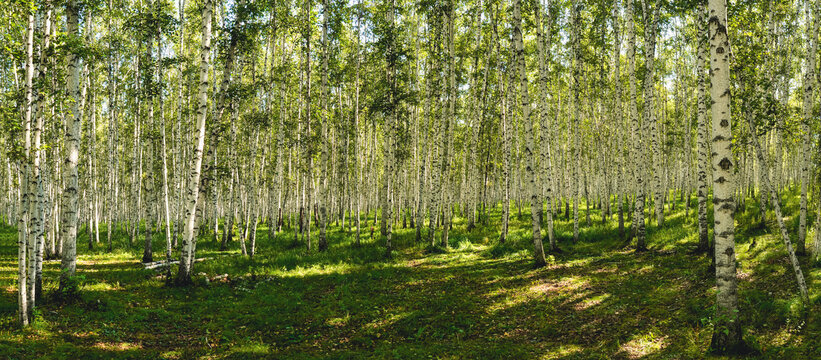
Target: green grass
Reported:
point(476, 300)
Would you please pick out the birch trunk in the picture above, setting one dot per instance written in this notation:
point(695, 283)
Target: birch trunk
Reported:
point(36, 191)
point(112, 132)
point(446, 126)
point(817, 247)
point(638, 148)
point(651, 26)
point(617, 109)
point(72, 138)
point(507, 130)
point(727, 333)
point(424, 128)
point(23, 165)
point(308, 151)
point(529, 145)
point(357, 168)
point(433, 204)
point(193, 191)
point(389, 131)
point(703, 156)
point(575, 101)
point(149, 184)
point(807, 107)
point(166, 205)
point(543, 46)
point(323, 141)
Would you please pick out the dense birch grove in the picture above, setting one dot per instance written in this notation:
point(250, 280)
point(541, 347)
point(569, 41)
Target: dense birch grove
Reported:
point(178, 122)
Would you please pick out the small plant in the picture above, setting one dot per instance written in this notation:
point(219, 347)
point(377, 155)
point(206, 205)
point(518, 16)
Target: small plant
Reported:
point(435, 249)
point(499, 250)
point(69, 288)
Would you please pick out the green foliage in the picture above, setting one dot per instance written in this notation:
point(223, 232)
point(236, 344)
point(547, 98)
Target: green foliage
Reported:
point(70, 287)
point(500, 250)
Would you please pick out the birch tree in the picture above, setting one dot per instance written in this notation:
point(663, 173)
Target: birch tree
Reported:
point(651, 16)
point(543, 46)
point(72, 138)
point(638, 148)
point(23, 305)
point(529, 146)
point(193, 191)
point(576, 103)
point(703, 156)
point(810, 11)
point(617, 111)
point(727, 332)
point(323, 212)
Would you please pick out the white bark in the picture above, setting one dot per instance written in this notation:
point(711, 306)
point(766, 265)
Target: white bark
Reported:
point(543, 46)
point(727, 332)
point(324, 198)
point(617, 114)
point(532, 190)
point(72, 138)
point(576, 103)
point(651, 25)
point(703, 155)
point(23, 169)
point(810, 7)
point(638, 148)
point(193, 191)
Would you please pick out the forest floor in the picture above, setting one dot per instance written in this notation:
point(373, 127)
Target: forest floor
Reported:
point(476, 300)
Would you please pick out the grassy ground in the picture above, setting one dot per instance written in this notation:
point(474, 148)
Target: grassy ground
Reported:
point(478, 299)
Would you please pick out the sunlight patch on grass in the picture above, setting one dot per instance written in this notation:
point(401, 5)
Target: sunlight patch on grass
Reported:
point(646, 269)
point(256, 348)
point(564, 285)
point(781, 337)
point(509, 299)
point(469, 258)
point(518, 255)
point(102, 286)
point(173, 354)
point(116, 258)
point(607, 270)
point(464, 245)
point(642, 345)
point(339, 321)
point(538, 289)
point(546, 288)
point(689, 238)
point(322, 269)
point(591, 302)
point(562, 352)
point(117, 346)
point(386, 321)
point(579, 262)
point(84, 334)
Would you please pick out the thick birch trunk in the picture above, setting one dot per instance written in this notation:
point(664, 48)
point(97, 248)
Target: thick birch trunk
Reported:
point(807, 105)
point(72, 138)
point(193, 192)
point(23, 167)
point(727, 333)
